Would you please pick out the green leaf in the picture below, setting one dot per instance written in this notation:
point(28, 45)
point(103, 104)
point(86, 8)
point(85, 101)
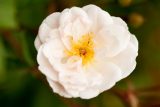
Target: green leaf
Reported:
point(7, 14)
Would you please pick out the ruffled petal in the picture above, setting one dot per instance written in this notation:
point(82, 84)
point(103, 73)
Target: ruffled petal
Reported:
point(45, 67)
point(43, 32)
point(74, 22)
point(110, 41)
point(74, 82)
point(89, 93)
point(99, 17)
point(120, 22)
point(134, 41)
point(53, 20)
point(58, 88)
point(126, 60)
point(107, 74)
point(37, 43)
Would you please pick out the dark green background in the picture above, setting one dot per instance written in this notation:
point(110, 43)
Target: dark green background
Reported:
point(22, 85)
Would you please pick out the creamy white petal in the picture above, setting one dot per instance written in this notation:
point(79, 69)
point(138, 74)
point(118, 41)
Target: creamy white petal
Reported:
point(89, 93)
point(113, 40)
point(126, 60)
point(53, 20)
point(134, 41)
point(54, 48)
point(119, 21)
point(58, 88)
point(45, 67)
point(109, 74)
point(101, 19)
point(73, 82)
point(79, 29)
point(43, 32)
point(74, 22)
point(37, 43)
point(53, 34)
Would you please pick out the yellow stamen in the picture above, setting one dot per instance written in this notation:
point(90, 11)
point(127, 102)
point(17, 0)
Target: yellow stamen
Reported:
point(83, 48)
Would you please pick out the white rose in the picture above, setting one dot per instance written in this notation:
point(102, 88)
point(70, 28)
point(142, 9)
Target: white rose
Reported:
point(85, 51)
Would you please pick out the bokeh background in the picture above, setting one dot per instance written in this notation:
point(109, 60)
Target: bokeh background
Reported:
point(22, 85)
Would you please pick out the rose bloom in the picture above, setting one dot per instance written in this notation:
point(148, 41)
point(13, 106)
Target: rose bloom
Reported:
point(85, 51)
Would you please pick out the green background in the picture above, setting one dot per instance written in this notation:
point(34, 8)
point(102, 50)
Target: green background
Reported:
point(22, 85)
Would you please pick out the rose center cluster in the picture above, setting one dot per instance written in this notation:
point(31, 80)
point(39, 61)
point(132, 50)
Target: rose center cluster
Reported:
point(83, 48)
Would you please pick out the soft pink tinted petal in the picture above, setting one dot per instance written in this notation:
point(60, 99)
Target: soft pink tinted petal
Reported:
point(58, 88)
point(73, 82)
point(43, 32)
point(37, 43)
point(99, 17)
point(89, 93)
point(112, 40)
point(134, 41)
point(126, 60)
point(45, 67)
point(109, 72)
point(54, 48)
point(119, 21)
point(74, 22)
point(53, 20)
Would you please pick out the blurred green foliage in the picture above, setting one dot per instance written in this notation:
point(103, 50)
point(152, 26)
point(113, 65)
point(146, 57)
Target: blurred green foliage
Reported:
point(22, 85)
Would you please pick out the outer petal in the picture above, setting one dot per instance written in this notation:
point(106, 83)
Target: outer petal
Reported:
point(126, 60)
point(134, 41)
point(99, 17)
point(58, 88)
point(37, 43)
point(45, 67)
point(43, 32)
point(119, 21)
point(73, 82)
point(110, 74)
point(51, 22)
point(89, 93)
point(54, 49)
point(112, 40)
point(101, 76)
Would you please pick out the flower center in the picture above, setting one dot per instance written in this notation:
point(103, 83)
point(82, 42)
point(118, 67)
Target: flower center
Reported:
point(83, 48)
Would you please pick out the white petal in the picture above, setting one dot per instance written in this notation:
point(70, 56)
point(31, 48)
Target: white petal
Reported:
point(54, 48)
point(37, 43)
point(89, 93)
point(54, 52)
point(65, 17)
point(126, 60)
point(53, 20)
point(73, 82)
point(74, 22)
point(58, 88)
point(110, 74)
point(53, 34)
point(112, 40)
point(119, 21)
point(134, 41)
point(43, 32)
point(79, 29)
point(45, 67)
point(99, 17)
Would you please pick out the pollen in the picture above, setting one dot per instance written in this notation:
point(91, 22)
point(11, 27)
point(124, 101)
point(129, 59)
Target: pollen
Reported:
point(84, 48)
